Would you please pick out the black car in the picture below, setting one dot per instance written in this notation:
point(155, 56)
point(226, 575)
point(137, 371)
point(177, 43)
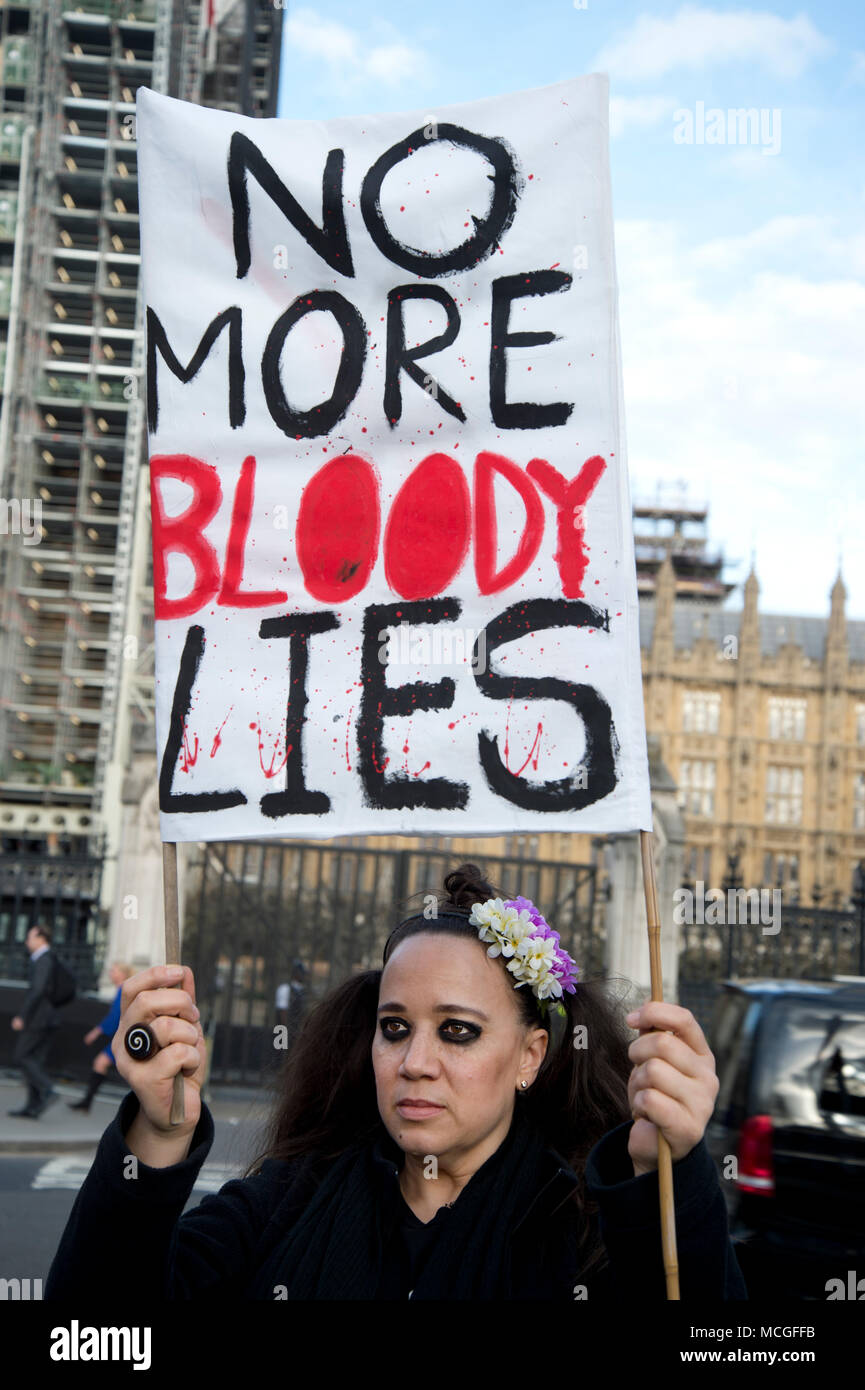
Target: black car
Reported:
point(788, 1133)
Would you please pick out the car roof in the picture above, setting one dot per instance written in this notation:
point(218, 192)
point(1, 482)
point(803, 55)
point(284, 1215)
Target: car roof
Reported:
point(844, 988)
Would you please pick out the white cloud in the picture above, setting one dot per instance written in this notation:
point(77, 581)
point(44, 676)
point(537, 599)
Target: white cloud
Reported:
point(394, 62)
point(349, 56)
point(626, 112)
point(697, 38)
point(750, 162)
point(810, 242)
point(753, 394)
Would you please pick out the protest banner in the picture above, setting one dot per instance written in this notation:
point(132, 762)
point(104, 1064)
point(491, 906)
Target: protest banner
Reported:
point(394, 585)
point(394, 580)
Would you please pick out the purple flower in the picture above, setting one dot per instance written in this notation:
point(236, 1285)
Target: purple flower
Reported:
point(525, 904)
point(564, 967)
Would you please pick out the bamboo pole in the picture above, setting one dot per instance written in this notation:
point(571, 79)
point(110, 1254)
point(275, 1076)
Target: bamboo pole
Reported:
point(665, 1157)
point(172, 955)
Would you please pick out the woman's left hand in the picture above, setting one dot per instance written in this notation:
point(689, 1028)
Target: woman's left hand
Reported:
point(673, 1086)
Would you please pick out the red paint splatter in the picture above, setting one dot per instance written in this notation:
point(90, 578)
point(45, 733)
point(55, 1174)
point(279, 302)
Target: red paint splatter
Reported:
point(535, 748)
point(372, 751)
point(272, 770)
point(217, 738)
point(347, 729)
point(188, 759)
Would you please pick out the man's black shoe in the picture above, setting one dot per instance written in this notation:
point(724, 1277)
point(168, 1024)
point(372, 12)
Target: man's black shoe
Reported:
point(26, 1113)
point(43, 1105)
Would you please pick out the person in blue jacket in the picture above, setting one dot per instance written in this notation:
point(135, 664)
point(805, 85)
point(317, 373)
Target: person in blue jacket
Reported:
point(470, 1122)
point(104, 1060)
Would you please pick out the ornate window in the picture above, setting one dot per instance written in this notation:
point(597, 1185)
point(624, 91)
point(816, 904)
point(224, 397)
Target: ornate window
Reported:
point(697, 788)
point(701, 710)
point(787, 717)
point(784, 795)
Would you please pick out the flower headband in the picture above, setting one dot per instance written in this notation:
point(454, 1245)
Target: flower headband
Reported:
point(518, 931)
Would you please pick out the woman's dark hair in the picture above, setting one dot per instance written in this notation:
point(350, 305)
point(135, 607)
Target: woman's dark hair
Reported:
point(326, 1087)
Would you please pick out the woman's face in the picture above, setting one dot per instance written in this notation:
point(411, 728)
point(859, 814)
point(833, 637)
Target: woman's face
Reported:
point(448, 1030)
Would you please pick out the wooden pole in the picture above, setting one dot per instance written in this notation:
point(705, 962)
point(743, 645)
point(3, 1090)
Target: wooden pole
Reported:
point(665, 1157)
point(172, 955)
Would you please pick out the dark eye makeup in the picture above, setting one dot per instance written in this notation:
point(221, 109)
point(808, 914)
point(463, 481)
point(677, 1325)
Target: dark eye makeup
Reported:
point(473, 1033)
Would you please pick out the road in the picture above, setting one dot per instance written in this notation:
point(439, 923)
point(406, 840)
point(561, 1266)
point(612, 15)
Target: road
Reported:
point(37, 1190)
point(36, 1196)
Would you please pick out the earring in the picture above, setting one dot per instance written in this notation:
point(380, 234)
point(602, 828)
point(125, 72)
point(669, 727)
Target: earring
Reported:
point(524, 1084)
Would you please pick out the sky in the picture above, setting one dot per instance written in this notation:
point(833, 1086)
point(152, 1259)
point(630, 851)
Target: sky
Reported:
point(741, 266)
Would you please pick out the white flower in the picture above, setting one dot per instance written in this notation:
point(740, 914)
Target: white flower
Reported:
point(490, 911)
point(534, 957)
point(511, 934)
point(550, 988)
point(503, 926)
point(502, 946)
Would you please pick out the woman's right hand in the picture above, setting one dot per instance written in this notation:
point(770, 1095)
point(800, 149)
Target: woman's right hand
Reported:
point(172, 1017)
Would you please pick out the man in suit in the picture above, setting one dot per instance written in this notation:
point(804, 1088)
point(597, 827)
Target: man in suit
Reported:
point(36, 1025)
point(291, 1001)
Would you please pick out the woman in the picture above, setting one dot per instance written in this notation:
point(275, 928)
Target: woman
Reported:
point(467, 1123)
point(104, 1060)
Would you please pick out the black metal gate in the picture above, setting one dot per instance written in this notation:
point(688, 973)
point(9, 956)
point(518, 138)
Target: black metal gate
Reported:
point(255, 908)
point(812, 943)
point(60, 892)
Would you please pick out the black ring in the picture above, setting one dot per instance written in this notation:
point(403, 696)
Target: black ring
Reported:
point(140, 1042)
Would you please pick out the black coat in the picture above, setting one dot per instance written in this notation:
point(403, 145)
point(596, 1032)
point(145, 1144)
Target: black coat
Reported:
point(229, 1247)
point(38, 1011)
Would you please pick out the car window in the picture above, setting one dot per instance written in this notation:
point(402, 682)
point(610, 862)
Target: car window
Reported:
point(842, 1083)
point(811, 1058)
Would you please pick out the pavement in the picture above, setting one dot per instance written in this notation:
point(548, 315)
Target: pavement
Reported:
point(237, 1112)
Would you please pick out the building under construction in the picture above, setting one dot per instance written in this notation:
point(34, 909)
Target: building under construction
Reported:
point(74, 498)
point(676, 526)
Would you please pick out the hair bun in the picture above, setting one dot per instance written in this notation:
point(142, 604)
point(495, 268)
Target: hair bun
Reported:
point(466, 886)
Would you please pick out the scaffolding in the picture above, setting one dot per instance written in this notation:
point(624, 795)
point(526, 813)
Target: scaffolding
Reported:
point(75, 597)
